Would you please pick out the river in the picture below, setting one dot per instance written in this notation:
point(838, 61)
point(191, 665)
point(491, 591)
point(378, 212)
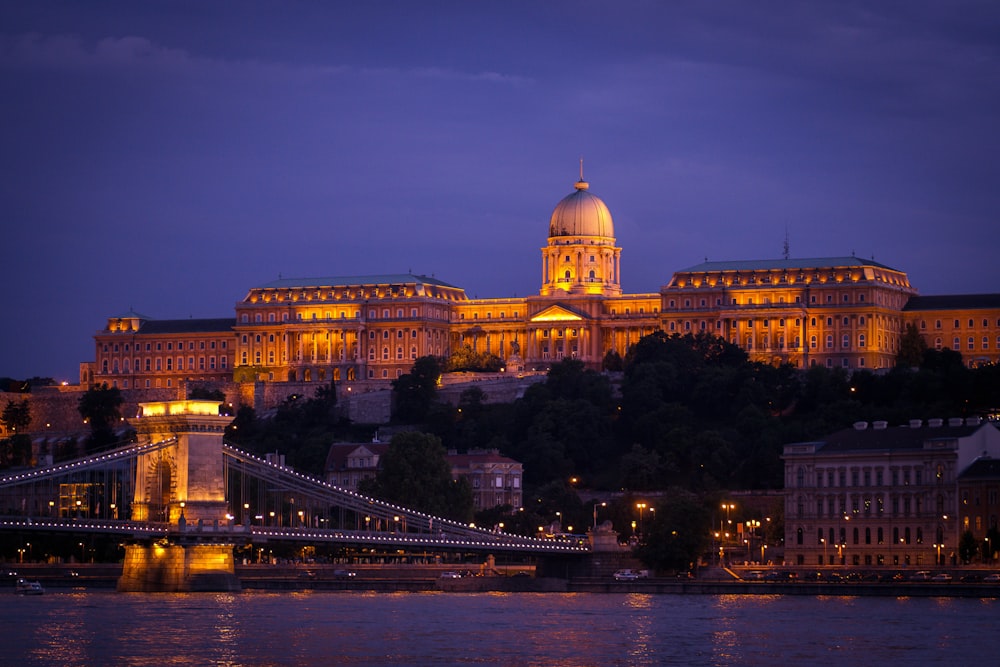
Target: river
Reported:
point(88, 627)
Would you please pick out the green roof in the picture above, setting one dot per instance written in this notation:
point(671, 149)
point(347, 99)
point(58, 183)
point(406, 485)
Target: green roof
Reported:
point(785, 264)
point(349, 281)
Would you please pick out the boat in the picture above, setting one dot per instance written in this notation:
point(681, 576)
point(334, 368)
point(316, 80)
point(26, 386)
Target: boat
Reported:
point(25, 587)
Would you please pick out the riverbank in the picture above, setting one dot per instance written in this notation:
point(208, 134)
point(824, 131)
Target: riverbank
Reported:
point(403, 578)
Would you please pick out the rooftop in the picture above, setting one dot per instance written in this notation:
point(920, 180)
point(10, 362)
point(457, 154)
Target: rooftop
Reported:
point(349, 281)
point(784, 264)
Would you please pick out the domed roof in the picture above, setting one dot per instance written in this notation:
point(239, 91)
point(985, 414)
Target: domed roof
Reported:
point(581, 214)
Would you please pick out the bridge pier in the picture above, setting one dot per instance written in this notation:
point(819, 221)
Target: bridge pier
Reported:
point(180, 485)
point(176, 567)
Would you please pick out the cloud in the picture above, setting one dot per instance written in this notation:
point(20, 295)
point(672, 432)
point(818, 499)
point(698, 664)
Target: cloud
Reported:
point(69, 52)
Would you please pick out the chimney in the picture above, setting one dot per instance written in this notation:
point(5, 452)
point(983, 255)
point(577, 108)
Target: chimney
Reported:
point(935, 423)
point(880, 425)
point(860, 426)
point(916, 423)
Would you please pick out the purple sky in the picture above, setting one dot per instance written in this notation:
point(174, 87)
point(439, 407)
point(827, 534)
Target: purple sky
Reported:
point(170, 155)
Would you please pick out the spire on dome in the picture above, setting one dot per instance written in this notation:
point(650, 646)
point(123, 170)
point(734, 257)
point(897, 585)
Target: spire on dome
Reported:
point(581, 184)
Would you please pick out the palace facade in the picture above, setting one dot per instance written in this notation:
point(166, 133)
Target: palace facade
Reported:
point(843, 312)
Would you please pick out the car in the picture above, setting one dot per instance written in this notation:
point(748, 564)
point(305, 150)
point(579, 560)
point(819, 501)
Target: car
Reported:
point(626, 575)
point(451, 575)
point(344, 574)
point(921, 576)
point(971, 578)
point(754, 576)
point(992, 578)
point(942, 576)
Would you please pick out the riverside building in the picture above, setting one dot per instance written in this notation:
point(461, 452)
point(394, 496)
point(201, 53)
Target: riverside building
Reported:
point(881, 495)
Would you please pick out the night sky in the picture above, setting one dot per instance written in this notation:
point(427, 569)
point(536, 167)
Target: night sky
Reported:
point(168, 156)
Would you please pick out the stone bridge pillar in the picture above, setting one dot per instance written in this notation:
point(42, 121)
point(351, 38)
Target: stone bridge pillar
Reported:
point(185, 478)
point(182, 486)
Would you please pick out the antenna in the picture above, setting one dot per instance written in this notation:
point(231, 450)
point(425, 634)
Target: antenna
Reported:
point(581, 167)
point(786, 242)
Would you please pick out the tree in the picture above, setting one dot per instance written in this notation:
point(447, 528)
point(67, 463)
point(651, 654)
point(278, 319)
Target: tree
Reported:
point(16, 416)
point(99, 407)
point(414, 392)
point(16, 450)
point(414, 473)
point(911, 347)
point(968, 547)
point(612, 361)
point(676, 534)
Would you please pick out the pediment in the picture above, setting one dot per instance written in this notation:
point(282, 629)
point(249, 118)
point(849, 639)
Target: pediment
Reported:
point(558, 313)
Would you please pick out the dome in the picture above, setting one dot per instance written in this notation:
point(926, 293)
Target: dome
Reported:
point(581, 214)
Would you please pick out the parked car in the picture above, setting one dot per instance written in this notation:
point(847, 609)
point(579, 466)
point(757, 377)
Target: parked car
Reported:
point(754, 576)
point(941, 576)
point(344, 574)
point(451, 575)
point(971, 578)
point(921, 576)
point(626, 575)
point(992, 578)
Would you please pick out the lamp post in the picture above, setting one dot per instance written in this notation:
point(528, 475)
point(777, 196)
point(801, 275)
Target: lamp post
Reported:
point(641, 507)
point(752, 526)
point(726, 528)
point(823, 540)
point(595, 513)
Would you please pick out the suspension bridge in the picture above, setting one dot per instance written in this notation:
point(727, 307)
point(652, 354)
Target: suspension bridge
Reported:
point(182, 499)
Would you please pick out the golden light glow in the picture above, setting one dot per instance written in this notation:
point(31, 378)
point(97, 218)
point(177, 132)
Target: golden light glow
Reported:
point(556, 314)
point(188, 407)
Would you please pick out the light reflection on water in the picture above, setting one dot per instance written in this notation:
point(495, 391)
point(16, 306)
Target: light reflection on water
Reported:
point(256, 628)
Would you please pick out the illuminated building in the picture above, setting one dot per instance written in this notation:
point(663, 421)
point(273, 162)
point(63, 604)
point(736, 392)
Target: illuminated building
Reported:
point(832, 311)
point(966, 323)
point(843, 312)
point(138, 352)
point(876, 494)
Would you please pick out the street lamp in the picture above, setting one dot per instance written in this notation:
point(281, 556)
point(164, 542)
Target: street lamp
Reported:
point(641, 507)
point(595, 513)
point(752, 526)
point(823, 540)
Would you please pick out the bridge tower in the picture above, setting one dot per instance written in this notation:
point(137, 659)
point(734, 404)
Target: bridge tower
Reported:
point(183, 487)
